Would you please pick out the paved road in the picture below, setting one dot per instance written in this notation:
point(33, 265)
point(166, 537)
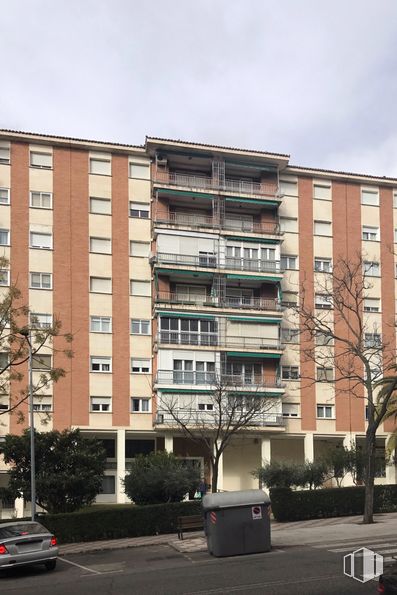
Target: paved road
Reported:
point(161, 570)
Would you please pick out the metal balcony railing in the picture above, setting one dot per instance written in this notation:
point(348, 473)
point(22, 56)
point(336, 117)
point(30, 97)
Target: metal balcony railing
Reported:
point(201, 182)
point(213, 301)
point(234, 381)
point(213, 340)
point(193, 417)
point(207, 261)
point(198, 220)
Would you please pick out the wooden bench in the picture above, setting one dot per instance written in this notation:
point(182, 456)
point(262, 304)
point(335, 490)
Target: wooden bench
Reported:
point(192, 522)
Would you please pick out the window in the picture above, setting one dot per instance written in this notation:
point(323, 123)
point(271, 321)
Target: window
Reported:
point(140, 249)
point(101, 167)
point(40, 240)
point(100, 324)
point(4, 277)
point(290, 299)
point(139, 210)
point(323, 301)
point(4, 360)
point(141, 288)
point(370, 234)
point(371, 268)
point(322, 265)
point(205, 407)
point(100, 206)
point(101, 404)
point(41, 160)
point(108, 485)
point(4, 195)
point(322, 191)
point(101, 245)
point(41, 361)
point(370, 196)
point(140, 366)
point(287, 262)
point(42, 404)
point(289, 187)
point(323, 339)
point(289, 335)
point(138, 447)
point(141, 171)
point(372, 340)
point(40, 320)
point(109, 445)
point(290, 410)
point(325, 374)
point(40, 280)
point(100, 285)
point(101, 364)
point(371, 305)
point(322, 228)
point(188, 331)
point(139, 405)
point(290, 372)
point(4, 152)
point(289, 224)
point(395, 200)
point(4, 237)
point(140, 327)
point(325, 411)
point(41, 200)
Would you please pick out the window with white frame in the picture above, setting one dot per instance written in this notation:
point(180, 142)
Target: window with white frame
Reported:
point(41, 361)
point(4, 237)
point(370, 196)
point(41, 280)
point(322, 191)
point(323, 339)
point(101, 404)
point(289, 335)
point(290, 372)
point(140, 366)
point(289, 224)
point(323, 301)
point(289, 187)
point(42, 403)
point(100, 206)
point(325, 411)
point(288, 262)
point(205, 406)
point(371, 268)
point(139, 210)
point(4, 152)
point(290, 410)
point(100, 245)
point(4, 277)
point(290, 299)
point(140, 405)
point(372, 340)
point(4, 360)
point(38, 320)
point(4, 399)
point(370, 234)
point(140, 288)
point(4, 196)
point(140, 171)
point(140, 249)
point(140, 327)
point(325, 374)
point(100, 324)
point(41, 240)
point(395, 236)
point(100, 167)
point(371, 305)
point(322, 228)
point(101, 364)
point(40, 160)
point(100, 285)
point(322, 265)
point(41, 200)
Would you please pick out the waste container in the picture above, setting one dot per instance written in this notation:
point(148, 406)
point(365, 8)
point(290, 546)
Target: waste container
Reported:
point(237, 522)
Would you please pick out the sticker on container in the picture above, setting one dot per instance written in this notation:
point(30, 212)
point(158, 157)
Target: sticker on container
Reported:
point(256, 512)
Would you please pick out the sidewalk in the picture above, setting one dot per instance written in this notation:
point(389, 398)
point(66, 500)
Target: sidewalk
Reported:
point(283, 535)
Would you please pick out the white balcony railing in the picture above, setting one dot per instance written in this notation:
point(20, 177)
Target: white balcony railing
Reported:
point(193, 417)
point(213, 340)
point(197, 220)
point(213, 301)
point(209, 261)
point(180, 377)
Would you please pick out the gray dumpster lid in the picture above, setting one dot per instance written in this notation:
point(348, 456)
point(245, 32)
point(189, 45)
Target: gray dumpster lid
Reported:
point(233, 499)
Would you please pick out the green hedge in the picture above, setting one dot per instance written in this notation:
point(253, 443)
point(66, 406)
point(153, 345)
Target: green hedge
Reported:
point(289, 505)
point(114, 522)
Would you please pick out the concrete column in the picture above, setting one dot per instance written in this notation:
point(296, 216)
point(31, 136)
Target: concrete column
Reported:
point(309, 447)
point(169, 443)
point(120, 453)
point(19, 506)
point(391, 469)
point(265, 451)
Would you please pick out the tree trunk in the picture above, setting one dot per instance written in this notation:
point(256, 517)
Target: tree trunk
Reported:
point(369, 476)
point(214, 481)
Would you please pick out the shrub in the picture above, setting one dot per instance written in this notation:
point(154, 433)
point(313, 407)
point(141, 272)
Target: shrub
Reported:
point(288, 474)
point(160, 477)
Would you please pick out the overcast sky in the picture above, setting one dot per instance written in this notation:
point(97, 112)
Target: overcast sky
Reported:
point(313, 78)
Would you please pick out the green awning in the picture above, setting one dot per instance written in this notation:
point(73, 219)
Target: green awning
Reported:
point(184, 391)
point(256, 240)
point(254, 393)
point(186, 272)
point(246, 319)
point(186, 193)
point(171, 314)
point(253, 355)
point(253, 277)
point(254, 201)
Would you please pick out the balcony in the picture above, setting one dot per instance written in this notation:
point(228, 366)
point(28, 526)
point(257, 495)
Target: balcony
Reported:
point(213, 340)
point(197, 221)
point(246, 303)
point(208, 261)
point(192, 417)
point(233, 382)
point(206, 183)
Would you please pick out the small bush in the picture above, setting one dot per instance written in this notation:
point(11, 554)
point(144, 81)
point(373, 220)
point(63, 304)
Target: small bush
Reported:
point(288, 474)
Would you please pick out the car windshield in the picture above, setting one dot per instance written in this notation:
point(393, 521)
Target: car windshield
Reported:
point(20, 529)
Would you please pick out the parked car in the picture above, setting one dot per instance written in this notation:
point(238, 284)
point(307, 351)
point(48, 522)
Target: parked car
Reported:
point(27, 542)
point(388, 580)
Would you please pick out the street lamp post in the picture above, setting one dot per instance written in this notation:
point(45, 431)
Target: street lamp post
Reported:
point(25, 332)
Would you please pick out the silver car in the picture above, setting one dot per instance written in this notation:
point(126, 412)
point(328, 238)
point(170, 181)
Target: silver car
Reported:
point(26, 542)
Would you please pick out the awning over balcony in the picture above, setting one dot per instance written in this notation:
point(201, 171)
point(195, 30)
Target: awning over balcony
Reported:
point(188, 193)
point(255, 394)
point(254, 201)
point(191, 273)
point(230, 234)
point(264, 320)
point(253, 277)
point(169, 314)
point(185, 391)
point(253, 355)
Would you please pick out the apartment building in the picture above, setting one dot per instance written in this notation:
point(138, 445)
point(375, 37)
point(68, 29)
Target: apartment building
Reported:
point(175, 263)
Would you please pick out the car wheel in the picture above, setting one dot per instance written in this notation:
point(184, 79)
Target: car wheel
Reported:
point(50, 564)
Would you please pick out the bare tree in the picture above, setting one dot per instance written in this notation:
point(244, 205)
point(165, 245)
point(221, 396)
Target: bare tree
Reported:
point(226, 414)
point(340, 340)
